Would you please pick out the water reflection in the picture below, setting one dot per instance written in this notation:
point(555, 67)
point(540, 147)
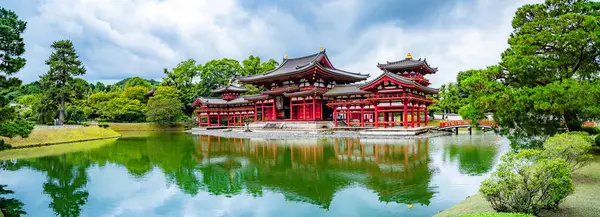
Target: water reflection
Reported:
point(307, 171)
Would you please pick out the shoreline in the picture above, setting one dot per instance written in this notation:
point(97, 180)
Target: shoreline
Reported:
point(40, 137)
point(283, 134)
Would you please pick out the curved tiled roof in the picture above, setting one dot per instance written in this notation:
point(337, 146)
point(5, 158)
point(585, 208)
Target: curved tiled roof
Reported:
point(229, 88)
point(345, 90)
point(219, 101)
point(407, 63)
point(292, 66)
point(306, 92)
point(401, 79)
point(256, 97)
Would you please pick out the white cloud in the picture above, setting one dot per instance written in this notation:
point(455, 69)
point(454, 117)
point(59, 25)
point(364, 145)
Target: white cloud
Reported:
point(122, 38)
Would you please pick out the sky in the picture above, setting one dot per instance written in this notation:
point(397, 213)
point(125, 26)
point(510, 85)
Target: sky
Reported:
point(117, 39)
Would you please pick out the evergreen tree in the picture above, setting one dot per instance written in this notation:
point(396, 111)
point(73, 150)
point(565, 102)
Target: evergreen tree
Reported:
point(58, 82)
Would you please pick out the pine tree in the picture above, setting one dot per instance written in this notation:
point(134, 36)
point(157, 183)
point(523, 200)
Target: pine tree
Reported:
point(58, 82)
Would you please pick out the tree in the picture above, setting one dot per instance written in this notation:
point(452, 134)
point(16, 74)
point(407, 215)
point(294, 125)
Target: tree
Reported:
point(447, 100)
point(182, 77)
point(58, 82)
point(548, 78)
point(165, 106)
point(253, 66)
point(137, 81)
point(216, 73)
point(11, 50)
point(136, 92)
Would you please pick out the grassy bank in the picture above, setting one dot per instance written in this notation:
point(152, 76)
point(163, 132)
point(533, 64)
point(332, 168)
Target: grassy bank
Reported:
point(53, 136)
point(583, 202)
point(43, 151)
point(145, 127)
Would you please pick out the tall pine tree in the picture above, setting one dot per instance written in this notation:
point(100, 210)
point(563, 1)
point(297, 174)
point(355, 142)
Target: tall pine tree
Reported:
point(58, 82)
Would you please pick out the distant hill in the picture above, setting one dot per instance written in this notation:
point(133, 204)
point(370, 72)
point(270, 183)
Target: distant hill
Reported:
point(121, 83)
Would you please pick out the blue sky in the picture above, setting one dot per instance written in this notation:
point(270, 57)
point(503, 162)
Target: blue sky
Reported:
point(121, 38)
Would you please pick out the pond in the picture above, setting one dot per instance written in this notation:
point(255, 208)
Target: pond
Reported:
point(178, 174)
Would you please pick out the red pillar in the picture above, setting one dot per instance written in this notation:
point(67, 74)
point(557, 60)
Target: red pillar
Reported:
point(335, 116)
point(362, 116)
point(393, 119)
point(314, 114)
point(262, 110)
point(208, 119)
point(219, 119)
point(348, 115)
point(419, 115)
point(426, 116)
point(376, 116)
point(274, 110)
point(291, 109)
point(405, 114)
point(412, 114)
point(255, 112)
point(304, 108)
point(199, 119)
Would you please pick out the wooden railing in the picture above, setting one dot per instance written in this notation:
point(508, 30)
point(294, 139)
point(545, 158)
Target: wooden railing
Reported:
point(444, 124)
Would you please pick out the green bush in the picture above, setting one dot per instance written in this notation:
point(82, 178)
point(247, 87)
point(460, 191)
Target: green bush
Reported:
point(597, 142)
point(103, 124)
point(591, 130)
point(497, 214)
point(574, 148)
point(527, 182)
point(85, 124)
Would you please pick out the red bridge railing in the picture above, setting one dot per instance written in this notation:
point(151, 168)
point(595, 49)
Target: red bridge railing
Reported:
point(589, 124)
point(489, 123)
point(454, 123)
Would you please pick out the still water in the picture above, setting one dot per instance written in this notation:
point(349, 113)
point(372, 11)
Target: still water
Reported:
point(178, 174)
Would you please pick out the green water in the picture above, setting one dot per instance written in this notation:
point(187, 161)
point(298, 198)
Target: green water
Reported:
point(177, 174)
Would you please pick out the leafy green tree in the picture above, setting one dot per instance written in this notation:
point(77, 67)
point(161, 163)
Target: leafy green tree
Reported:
point(182, 77)
point(75, 115)
point(165, 106)
point(447, 100)
point(121, 109)
point(58, 82)
point(548, 78)
point(12, 48)
point(136, 92)
point(253, 66)
point(216, 73)
point(137, 81)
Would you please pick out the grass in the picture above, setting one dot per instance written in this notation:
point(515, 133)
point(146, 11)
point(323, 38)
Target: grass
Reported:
point(42, 151)
point(585, 201)
point(53, 136)
point(145, 127)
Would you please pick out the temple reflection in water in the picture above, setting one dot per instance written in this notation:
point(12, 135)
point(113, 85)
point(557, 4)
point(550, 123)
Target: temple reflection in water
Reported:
point(313, 170)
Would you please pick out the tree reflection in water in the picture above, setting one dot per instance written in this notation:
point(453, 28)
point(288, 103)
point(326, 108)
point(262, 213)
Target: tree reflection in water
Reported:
point(308, 171)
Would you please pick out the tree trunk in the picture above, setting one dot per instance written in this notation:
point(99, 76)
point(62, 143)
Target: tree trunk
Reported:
point(61, 114)
point(572, 122)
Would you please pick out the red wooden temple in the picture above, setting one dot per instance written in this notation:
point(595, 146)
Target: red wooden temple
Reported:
point(310, 88)
point(230, 106)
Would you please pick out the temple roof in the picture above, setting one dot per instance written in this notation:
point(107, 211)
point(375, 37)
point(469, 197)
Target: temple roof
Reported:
point(345, 90)
point(257, 97)
point(229, 88)
point(317, 91)
point(219, 101)
point(403, 80)
point(292, 66)
point(407, 63)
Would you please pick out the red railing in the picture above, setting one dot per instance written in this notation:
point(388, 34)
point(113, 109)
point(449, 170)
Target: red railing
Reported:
point(454, 123)
point(488, 123)
point(589, 124)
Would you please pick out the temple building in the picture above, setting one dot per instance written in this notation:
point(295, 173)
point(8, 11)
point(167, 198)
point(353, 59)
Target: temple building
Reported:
point(230, 106)
point(311, 89)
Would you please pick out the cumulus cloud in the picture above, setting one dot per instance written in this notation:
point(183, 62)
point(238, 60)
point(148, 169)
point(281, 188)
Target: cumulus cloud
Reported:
point(122, 38)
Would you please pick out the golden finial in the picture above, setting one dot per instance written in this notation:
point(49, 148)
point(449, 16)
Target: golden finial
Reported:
point(321, 49)
point(408, 56)
point(285, 56)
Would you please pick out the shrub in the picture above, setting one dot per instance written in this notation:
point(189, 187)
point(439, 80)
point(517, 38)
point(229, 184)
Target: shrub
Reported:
point(85, 124)
point(574, 148)
point(591, 130)
point(527, 182)
point(103, 124)
point(497, 214)
point(597, 142)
